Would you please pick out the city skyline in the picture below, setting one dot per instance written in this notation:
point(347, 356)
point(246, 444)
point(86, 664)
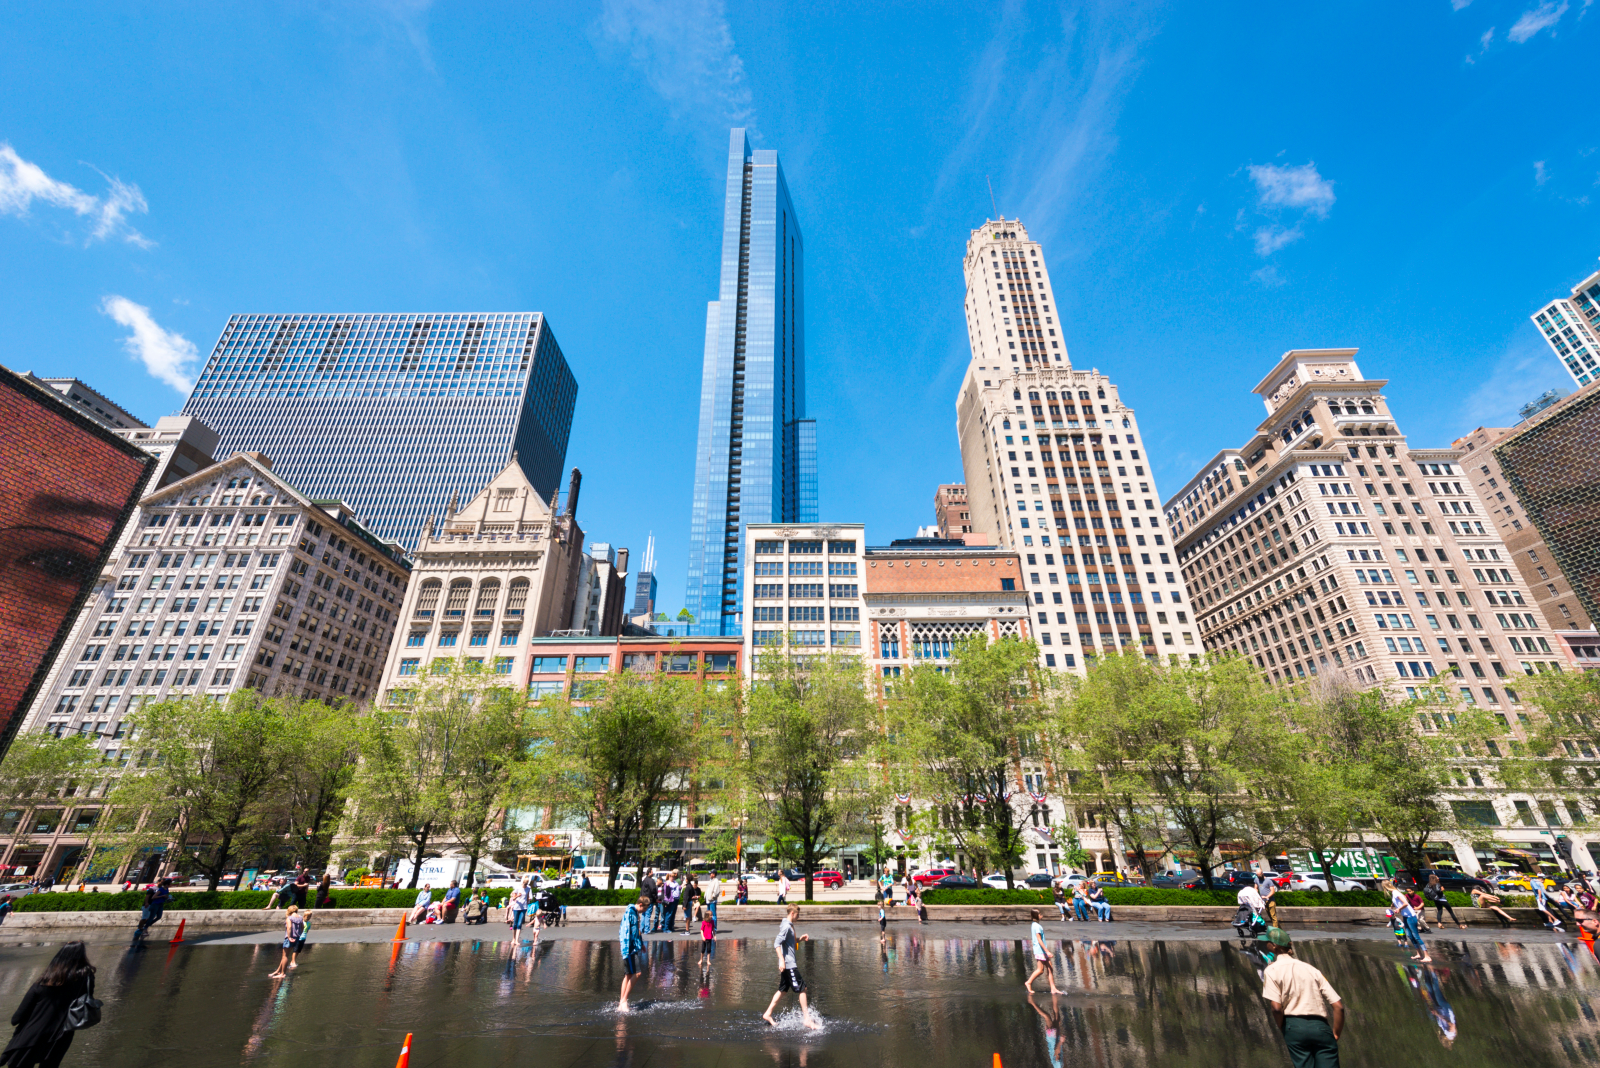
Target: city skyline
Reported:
point(408, 182)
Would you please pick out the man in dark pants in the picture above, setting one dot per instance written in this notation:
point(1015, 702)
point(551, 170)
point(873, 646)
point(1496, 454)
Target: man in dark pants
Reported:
point(1305, 1005)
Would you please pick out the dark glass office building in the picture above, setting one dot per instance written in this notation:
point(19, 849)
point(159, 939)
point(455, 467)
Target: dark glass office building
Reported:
point(391, 413)
point(756, 460)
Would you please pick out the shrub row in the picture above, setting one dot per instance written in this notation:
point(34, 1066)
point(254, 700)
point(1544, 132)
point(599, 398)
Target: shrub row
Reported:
point(206, 900)
point(593, 896)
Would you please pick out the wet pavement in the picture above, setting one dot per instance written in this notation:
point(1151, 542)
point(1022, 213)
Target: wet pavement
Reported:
point(929, 997)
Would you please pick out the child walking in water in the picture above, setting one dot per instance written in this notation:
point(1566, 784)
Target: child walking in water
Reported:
point(788, 970)
point(1041, 956)
point(708, 944)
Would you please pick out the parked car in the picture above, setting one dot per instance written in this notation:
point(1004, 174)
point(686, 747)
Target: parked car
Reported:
point(829, 879)
point(1232, 879)
point(1118, 878)
point(929, 876)
point(1315, 883)
point(1174, 880)
point(957, 882)
point(1449, 878)
point(1039, 880)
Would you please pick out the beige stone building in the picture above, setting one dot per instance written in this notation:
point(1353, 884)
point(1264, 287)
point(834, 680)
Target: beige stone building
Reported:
point(1552, 591)
point(229, 578)
point(1328, 543)
point(1056, 469)
point(487, 577)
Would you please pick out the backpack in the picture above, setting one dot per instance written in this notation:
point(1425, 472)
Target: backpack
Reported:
point(84, 1012)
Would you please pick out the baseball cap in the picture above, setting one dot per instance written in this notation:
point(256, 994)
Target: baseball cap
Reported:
point(1277, 936)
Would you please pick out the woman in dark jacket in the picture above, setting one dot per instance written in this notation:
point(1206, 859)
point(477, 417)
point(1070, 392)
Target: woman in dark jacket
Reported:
point(40, 1038)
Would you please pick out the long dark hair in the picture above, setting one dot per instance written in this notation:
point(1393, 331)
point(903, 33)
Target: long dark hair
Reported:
point(70, 965)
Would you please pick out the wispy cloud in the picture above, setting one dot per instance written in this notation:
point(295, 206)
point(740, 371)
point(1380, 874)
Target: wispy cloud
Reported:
point(1540, 175)
point(1525, 369)
point(1457, 5)
point(1270, 239)
point(22, 183)
point(1293, 187)
point(1543, 17)
point(686, 53)
point(1039, 113)
point(168, 356)
point(1483, 44)
point(1297, 191)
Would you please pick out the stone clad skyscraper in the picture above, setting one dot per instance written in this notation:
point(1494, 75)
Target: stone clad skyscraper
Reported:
point(1056, 470)
point(756, 457)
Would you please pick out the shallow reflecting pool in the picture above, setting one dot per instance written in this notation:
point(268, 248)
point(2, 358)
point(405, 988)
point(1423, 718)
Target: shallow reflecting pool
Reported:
point(915, 1001)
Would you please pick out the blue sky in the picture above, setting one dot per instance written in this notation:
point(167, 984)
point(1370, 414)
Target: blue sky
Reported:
point(1213, 185)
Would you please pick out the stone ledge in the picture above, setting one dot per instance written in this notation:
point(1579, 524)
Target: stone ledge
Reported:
point(1218, 915)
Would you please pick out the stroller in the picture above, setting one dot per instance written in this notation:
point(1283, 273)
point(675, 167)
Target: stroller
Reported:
point(1249, 923)
point(550, 913)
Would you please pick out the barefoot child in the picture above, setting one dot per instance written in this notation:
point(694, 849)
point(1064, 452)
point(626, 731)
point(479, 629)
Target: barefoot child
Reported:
point(1041, 956)
point(788, 970)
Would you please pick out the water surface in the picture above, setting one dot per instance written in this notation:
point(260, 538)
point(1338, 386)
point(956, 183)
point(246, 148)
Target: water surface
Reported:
point(925, 1002)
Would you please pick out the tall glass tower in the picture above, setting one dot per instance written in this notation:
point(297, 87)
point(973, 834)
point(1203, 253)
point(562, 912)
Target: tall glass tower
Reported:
point(756, 460)
point(393, 414)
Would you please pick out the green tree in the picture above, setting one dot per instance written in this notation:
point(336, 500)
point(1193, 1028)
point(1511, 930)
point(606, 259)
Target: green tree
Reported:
point(723, 847)
point(411, 754)
point(629, 747)
point(43, 769)
point(492, 770)
point(1188, 731)
point(1406, 769)
point(209, 770)
point(310, 803)
point(1103, 722)
point(953, 731)
point(807, 727)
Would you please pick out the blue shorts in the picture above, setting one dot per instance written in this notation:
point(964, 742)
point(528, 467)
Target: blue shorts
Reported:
point(631, 963)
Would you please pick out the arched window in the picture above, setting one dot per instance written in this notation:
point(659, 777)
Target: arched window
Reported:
point(517, 597)
point(428, 598)
point(488, 595)
point(455, 605)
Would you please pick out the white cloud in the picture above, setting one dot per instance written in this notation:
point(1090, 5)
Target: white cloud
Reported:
point(686, 52)
point(1270, 239)
point(1293, 187)
point(22, 183)
point(168, 356)
point(1525, 369)
point(1542, 17)
point(1269, 276)
point(1540, 175)
point(1457, 5)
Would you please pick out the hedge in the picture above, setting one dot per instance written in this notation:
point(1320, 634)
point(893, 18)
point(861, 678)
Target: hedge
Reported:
point(344, 897)
point(1149, 895)
point(594, 896)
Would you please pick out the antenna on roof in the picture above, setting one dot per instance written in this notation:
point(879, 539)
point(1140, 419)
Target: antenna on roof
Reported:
point(992, 206)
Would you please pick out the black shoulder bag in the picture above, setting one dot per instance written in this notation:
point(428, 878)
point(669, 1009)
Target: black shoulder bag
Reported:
point(84, 1011)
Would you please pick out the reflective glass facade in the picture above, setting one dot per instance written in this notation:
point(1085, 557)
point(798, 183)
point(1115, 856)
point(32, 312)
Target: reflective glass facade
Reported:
point(391, 413)
point(756, 454)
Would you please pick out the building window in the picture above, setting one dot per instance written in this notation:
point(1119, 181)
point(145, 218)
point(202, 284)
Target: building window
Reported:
point(408, 666)
point(549, 664)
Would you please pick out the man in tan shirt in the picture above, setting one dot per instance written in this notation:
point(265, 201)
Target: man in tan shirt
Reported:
point(1307, 1008)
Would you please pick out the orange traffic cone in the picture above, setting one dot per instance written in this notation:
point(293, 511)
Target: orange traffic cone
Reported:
point(179, 936)
point(400, 932)
point(997, 1060)
point(405, 1053)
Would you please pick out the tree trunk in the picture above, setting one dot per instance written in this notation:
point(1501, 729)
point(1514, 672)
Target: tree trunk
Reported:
point(416, 861)
point(223, 849)
point(1327, 868)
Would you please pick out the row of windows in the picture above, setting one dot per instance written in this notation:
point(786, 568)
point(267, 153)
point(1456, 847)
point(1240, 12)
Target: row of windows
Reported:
point(806, 547)
point(840, 638)
point(812, 589)
point(669, 662)
point(767, 569)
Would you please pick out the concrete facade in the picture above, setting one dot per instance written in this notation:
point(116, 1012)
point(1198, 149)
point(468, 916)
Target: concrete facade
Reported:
point(1056, 471)
point(268, 590)
point(1551, 589)
point(487, 577)
point(803, 587)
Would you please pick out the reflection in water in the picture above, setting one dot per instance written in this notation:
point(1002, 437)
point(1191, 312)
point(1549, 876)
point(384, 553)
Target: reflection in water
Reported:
point(913, 999)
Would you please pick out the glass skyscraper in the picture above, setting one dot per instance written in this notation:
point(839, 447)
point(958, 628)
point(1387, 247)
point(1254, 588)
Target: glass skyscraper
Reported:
point(392, 414)
point(756, 460)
